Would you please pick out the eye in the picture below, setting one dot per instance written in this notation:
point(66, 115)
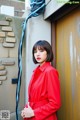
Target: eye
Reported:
point(35, 51)
point(41, 50)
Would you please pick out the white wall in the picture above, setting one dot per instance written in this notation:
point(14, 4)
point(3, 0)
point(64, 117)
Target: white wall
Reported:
point(27, 4)
point(7, 10)
point(37, 29)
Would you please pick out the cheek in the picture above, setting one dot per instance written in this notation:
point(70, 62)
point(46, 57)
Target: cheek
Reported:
point(34, 55)
point(45, 55)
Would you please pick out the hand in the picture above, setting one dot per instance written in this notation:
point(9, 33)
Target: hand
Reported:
point(27, 112)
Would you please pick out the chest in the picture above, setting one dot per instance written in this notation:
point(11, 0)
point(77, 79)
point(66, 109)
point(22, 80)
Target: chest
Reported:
point(37, 87)
point(38, 80)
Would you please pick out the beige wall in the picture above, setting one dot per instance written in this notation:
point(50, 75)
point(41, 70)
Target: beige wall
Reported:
point(9, 63)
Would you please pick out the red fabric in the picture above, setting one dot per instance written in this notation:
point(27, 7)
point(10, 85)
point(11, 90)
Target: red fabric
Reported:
point(44, 93)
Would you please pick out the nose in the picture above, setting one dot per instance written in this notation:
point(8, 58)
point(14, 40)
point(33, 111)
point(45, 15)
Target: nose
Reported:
point(38, 53)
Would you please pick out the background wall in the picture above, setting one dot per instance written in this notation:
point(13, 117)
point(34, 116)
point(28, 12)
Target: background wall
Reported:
point(37, 29)
point(19, 6)
point(10, 33)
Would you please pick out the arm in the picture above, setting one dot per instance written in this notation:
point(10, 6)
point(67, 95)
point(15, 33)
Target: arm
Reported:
point(53, 94)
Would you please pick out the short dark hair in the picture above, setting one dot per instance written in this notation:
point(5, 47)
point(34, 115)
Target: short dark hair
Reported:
point(44, 45)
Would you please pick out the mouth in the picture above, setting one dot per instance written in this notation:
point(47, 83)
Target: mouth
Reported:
point(38, 58)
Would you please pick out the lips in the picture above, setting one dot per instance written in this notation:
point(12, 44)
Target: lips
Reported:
point(38, 58)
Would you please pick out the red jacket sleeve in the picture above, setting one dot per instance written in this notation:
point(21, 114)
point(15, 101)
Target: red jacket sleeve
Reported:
point(53, 94)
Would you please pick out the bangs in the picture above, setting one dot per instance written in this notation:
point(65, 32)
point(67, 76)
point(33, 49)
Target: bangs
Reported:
point(39, 47)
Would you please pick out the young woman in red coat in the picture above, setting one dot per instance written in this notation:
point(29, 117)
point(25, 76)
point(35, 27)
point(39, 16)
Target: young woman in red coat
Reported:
point(44, 88)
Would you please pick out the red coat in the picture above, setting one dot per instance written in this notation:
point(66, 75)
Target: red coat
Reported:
point(44, 93)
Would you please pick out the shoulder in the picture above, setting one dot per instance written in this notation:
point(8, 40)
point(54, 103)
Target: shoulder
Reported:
point(50, 70)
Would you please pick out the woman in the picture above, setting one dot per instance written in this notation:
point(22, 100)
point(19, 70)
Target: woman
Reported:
point(44, 87)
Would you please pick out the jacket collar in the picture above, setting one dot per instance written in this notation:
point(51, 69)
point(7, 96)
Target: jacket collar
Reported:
point(43, 67)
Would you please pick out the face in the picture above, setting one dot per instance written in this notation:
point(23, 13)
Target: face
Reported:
point(40, 55)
